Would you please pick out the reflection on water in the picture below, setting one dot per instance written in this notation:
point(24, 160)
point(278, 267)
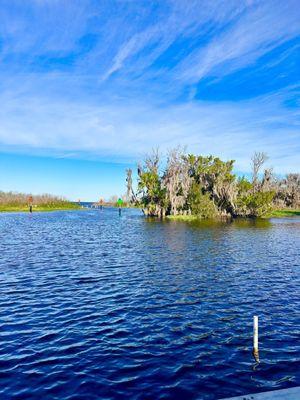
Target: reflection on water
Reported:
point(94, 305)
point(252, 222)
point(215, 223)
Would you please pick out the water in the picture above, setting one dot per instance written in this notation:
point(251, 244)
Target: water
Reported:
point(97, 306)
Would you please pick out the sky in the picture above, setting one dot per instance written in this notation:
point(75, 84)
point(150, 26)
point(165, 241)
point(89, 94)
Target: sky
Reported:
point(88, 87)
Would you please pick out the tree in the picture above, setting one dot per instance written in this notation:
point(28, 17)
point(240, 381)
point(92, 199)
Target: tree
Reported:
point(153, 199)
point(268, 181)
point(293, 190)
point(176, 181)
point(130, 195)
point(288, 191)
point(258, 204)
point(258, 160)
point(200, 203)
point(206, 186)
point(215, 177)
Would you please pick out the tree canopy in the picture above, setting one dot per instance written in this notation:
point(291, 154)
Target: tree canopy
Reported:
point(206, 186)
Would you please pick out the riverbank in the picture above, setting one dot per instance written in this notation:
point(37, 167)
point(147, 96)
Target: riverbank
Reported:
point(274, 214)
point(19, 202)
point(284, 213)
point(184, 218)
point(13, 208)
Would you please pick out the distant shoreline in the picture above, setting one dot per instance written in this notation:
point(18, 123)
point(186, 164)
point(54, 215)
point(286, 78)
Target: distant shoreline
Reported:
point(184, 218)
point(23, 202)
point(39, 208)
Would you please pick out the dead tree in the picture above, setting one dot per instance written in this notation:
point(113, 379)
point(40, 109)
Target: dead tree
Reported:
point(292, 190)
point(258, 160)
point(268, 181)
point(152, 161)
point(129, 184)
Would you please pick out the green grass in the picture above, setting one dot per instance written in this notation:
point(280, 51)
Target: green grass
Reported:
point(185, 218)
point(45, 207)
point(283, 213)
point(273, 214)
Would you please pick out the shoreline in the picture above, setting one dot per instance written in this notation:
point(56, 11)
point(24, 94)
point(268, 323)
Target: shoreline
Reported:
point(38, 209)
point(284, 213)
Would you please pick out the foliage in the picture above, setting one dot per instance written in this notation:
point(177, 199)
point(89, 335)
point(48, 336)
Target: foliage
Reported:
point(200, 203)
point(250, 202)
point(216, 179)
point(154, 195)
point(205, 186)
point(243, 186)
point(255, 204)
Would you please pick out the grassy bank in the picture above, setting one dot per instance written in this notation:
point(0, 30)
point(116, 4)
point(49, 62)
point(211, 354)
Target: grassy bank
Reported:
point(274, 214)
point(44, 207)
point(18, 202)
point(283, 213)
point(185, 218)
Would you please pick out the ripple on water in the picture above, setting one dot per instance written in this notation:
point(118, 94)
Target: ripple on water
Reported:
point(97, 306)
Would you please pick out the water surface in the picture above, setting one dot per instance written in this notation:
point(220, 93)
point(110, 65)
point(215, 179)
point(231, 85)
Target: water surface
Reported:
point(97, 306)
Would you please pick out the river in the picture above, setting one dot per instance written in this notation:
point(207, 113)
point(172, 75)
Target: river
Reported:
point(98, 306)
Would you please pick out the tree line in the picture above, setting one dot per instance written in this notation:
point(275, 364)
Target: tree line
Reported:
point(205, 186)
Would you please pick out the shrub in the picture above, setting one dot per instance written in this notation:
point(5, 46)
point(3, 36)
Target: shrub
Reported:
point(200, 203)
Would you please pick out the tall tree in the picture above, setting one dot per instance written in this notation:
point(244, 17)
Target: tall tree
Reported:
point(258, 159)
point(177, 181)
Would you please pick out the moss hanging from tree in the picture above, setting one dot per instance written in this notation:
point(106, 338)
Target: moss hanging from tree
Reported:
point(205, 186)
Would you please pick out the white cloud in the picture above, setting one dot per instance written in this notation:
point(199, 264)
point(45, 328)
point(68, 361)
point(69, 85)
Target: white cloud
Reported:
point(180, 20)
point(42, 27)
point(73, 113)
point(256, 33)
point(233, 34)
point(128, 130)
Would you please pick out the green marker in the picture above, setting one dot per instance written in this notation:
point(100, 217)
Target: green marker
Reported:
point(120, 203)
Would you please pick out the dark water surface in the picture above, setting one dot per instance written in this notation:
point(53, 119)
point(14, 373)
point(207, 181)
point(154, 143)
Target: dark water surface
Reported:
point(94, 306)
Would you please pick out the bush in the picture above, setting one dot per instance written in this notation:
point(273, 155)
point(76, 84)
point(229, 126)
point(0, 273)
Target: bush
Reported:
point(200, 203)
point(255, 204)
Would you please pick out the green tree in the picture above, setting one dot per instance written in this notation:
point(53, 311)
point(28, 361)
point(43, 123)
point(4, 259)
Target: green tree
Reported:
point(200, 203)
point(250, 203)
point(216, 179)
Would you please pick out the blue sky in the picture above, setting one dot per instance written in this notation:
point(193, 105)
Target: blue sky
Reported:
point(87, 87)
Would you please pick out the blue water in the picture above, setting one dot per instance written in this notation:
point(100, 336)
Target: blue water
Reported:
point(97, 306)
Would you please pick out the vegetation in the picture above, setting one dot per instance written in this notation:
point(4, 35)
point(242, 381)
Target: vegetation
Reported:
point(193, 186)
point(284, 213)
point(11, 201)
point(184, 218)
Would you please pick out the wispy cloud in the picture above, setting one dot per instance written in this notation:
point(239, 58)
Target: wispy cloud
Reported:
point(232, 35)
point(41, 27)
point(189, 20)
point(128, 130)
point(253, 35)
point(115, 78)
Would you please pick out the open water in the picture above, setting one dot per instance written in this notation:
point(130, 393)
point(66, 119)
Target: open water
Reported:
point(97, 306)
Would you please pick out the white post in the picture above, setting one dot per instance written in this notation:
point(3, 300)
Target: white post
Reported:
point(255, 338)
